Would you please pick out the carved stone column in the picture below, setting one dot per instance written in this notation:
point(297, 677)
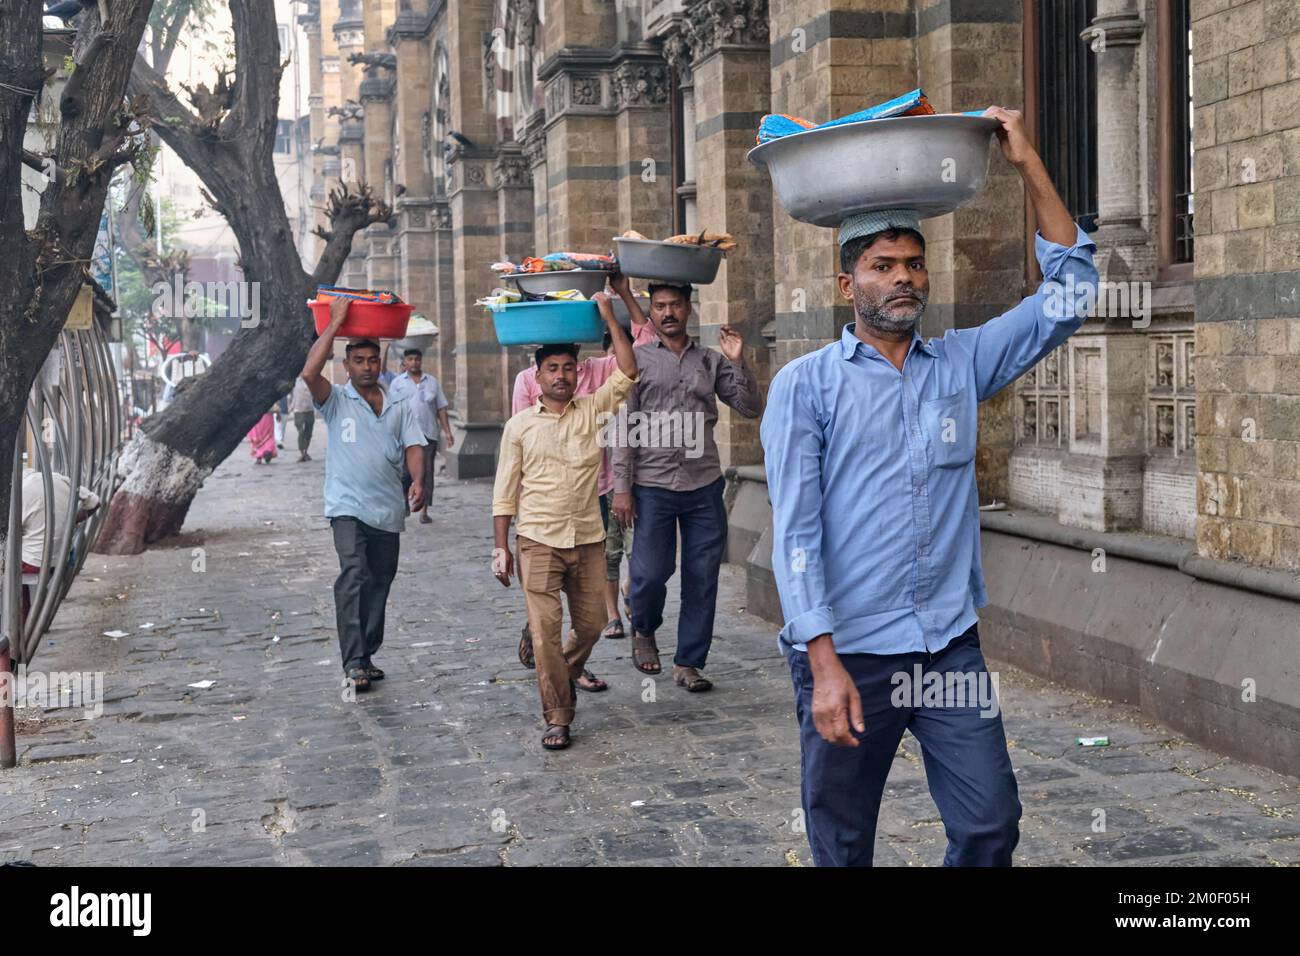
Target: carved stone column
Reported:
point(376, 95)
point(534, 145)
point(1124, 249)
point(478, 358)
point(643, 126)
point(731, 66)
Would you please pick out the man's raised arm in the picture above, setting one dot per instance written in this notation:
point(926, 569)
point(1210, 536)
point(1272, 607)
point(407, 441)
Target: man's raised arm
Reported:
point(321, 350)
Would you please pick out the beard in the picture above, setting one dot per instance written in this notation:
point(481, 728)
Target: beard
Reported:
point(877, 314)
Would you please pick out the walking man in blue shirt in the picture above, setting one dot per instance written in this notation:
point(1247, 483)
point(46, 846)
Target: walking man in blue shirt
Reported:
point(870, 456)
point(371, 435)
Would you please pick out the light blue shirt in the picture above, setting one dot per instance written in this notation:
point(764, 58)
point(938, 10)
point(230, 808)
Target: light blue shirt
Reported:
point(875, 513)
point(426, 398)
point(363, 460)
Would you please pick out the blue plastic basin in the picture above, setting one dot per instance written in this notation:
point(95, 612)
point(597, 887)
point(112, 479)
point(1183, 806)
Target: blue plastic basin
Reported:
point(547, 323)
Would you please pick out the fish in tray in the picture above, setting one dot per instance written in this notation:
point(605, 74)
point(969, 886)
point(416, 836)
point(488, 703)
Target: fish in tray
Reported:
point(717, 240)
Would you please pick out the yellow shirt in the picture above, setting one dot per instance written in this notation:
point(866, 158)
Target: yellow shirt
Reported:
point(548, 464)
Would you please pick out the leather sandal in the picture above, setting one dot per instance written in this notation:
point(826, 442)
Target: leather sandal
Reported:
point(645, 653)
point(559, 734)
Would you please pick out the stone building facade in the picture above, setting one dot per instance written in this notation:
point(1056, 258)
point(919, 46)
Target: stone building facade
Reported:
point(1167, 431)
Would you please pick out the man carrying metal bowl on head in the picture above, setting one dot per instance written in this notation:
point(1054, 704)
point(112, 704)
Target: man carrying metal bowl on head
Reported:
point(870, 454)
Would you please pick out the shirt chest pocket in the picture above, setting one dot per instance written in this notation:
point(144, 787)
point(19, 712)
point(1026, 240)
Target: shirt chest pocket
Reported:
point(550, 444)
point(949, 425)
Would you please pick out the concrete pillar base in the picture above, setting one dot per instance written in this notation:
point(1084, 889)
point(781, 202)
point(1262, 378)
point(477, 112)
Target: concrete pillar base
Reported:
point(475, 452)
point(1101, 494)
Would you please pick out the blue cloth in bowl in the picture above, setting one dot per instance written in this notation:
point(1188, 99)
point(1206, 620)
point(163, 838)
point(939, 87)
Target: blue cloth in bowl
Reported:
point(550, 322)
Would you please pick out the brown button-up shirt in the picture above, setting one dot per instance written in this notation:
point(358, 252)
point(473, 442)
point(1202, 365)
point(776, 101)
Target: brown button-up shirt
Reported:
point(663, 437)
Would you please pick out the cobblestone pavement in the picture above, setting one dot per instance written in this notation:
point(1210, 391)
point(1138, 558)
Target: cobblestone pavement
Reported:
point(442, 764)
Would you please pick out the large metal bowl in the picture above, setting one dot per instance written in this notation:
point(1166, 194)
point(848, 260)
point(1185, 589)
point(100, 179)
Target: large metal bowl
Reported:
point(586, 281)
point(679, 263)
point(621, 313)
point(932, 164)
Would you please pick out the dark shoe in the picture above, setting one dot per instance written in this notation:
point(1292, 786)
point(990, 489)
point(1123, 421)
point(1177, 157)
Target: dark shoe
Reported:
point(306, 457)
point(613, 630)
point(359, 678)
point(374, 673)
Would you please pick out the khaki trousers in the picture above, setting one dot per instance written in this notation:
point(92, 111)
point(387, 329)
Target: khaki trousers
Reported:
point(545, 572)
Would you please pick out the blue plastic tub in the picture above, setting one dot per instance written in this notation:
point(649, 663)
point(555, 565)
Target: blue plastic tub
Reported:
point(547, 323)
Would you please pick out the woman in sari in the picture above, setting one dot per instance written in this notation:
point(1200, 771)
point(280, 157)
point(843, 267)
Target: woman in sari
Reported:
point(262, 439)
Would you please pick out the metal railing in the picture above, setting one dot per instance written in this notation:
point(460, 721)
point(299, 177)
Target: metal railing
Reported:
point(76, 424)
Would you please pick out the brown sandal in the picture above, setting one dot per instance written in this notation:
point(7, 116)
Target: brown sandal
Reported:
point(645, 654)
point(526, 649)
point(695, 685)
point(613, 630)
point(558, 733)
point(594, 684)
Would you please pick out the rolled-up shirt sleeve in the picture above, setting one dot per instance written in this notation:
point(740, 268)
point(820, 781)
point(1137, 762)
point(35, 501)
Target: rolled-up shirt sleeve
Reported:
point(1005, 347)
point(792, 449)
point(505, 492)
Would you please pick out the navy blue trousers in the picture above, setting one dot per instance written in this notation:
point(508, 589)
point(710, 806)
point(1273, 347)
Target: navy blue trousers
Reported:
point(965, 753)
point(702, 517)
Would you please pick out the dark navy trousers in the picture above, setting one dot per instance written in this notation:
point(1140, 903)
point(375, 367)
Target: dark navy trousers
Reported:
point(965, 753)
point(702, 517)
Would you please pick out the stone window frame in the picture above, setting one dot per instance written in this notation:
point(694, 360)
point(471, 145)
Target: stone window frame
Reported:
point(1176, 391)
point(1047, 384)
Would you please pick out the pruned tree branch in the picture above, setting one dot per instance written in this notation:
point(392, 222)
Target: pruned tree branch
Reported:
point(348, 212)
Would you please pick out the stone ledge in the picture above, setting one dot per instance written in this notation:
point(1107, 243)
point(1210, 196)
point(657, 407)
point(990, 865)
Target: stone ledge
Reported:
point(1174, 646)
point(1162, 628)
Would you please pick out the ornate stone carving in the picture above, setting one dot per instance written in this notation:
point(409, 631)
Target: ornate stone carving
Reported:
point(640, 84)
point(475, 174)
point(713, 24)
point(388, 60)
point(523, 13)
point(512, 171)
point(677, 51)
point(586, 90)
point(535, 148)
point(557, 95)
point(350, 109)
point(441, 216)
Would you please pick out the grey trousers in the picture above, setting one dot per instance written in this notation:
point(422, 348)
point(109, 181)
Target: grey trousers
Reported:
point(367, 566)
point(304, 422)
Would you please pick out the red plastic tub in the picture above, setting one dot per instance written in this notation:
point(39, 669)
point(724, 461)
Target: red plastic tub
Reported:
point(366, 320)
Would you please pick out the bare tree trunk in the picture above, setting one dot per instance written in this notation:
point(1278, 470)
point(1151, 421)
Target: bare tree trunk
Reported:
point(229, 144)
point(44, 268)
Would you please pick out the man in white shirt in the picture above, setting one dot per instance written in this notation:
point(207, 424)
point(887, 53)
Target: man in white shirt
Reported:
point(34, 513)
point(430, 407)
point(304, 417)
